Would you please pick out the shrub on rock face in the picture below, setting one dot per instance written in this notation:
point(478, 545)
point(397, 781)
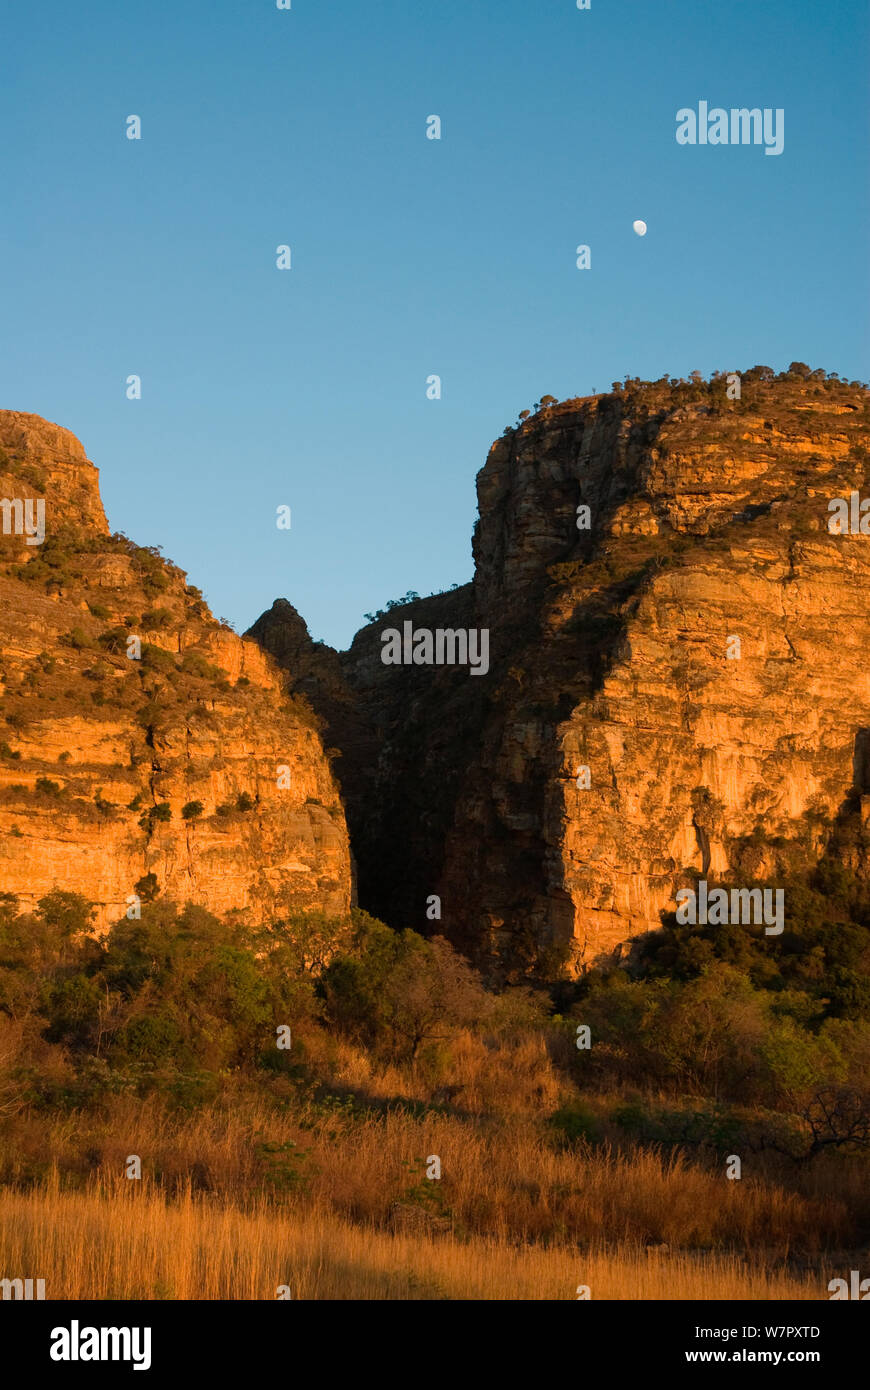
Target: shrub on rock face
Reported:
point(78, 639)
point(156, 658)
point(114, 639)
point(154, 618)
point(146, 887)
point(243, 802)
point(160, 812)
point(195, 664)
point(192, 810)
point(46, 787)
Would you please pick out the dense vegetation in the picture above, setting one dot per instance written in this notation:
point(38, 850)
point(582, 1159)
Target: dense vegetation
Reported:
point(720, 1039)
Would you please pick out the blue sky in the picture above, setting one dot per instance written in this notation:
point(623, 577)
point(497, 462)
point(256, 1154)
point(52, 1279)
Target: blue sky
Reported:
point(410, 256)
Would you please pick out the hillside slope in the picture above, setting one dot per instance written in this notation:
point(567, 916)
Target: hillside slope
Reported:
point(101, 753)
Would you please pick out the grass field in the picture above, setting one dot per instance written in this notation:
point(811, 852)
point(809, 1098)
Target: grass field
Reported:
point(319, 1182)
point(125, 1242)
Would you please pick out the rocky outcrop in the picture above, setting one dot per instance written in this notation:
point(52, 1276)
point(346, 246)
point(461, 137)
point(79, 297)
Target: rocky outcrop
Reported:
point(189, 771)
point(700, 649)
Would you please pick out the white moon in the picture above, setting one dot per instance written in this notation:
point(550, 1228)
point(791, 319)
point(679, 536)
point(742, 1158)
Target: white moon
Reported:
point(640, 228)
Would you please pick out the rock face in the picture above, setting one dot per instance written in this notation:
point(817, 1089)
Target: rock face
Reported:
point(701, 649)
point(101, 753)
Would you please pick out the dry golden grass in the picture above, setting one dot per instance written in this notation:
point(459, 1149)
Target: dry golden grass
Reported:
point(503, 1180)
point(124, 1240)
point(289, 1181)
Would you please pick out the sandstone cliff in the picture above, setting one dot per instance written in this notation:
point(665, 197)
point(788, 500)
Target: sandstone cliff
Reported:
point(613, 649)
point(100, 754)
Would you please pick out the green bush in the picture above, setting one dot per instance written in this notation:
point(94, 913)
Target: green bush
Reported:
point(146, 887)
point(195, 664)
point(162, 812)
point(823, 952)
point(46, 787)
point(154, 618)
point(78, 639)
point(36, 477)
point(156, 659)
point(114, 640)
point(195, 993)
point(575, 1124)
point(399, 991)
